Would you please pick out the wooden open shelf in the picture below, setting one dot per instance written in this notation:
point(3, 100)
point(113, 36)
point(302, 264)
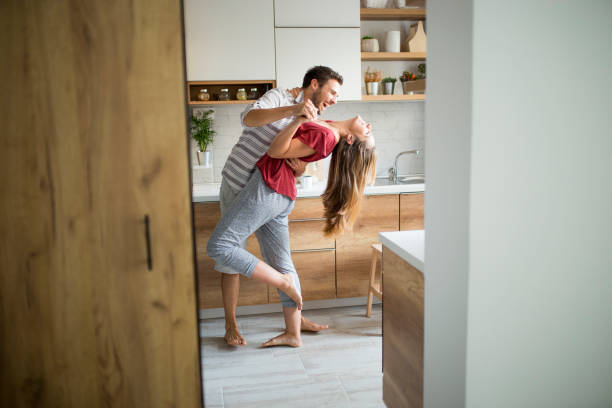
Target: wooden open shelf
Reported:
point(392, 14)
point(393, 56)
point(374, 98)
point(221, 102)
point(193, 89)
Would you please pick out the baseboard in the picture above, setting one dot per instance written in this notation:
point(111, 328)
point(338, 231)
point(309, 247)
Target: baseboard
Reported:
point(276, 307)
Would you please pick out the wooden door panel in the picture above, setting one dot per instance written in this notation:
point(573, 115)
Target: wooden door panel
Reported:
point(412, 207)
point(94, 138)
point(353, 250)
point(317, 275)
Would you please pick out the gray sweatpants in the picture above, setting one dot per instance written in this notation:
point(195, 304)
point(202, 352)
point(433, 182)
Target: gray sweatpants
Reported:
point(259, 209)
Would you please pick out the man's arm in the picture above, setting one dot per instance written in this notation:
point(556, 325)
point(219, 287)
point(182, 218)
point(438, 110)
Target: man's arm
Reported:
point(260, 117)
point(263, 116)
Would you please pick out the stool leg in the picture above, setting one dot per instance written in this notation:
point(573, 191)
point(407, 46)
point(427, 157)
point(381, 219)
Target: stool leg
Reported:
point(372, 276)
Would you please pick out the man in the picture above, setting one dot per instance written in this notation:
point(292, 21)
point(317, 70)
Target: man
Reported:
point(261, 122)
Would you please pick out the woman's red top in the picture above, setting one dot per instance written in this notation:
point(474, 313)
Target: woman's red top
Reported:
point(278, 175)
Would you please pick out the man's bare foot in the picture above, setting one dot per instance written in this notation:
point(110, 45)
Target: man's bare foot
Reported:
point(290, 290)
point(307, 325)
point(284, 339)
point(233, 337)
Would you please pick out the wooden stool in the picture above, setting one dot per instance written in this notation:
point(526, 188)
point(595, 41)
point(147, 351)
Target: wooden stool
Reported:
point(373, 288)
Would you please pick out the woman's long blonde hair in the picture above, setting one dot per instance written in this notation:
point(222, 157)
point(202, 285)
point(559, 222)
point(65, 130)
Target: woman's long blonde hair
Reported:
point(351, 166)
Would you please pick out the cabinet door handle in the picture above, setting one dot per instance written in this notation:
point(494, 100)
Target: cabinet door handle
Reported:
point(148, 238)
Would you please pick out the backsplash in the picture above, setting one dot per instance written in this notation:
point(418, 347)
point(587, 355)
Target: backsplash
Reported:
point(396, 126)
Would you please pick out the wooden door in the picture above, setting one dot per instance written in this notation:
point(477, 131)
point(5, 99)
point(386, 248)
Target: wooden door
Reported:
point(93, 126)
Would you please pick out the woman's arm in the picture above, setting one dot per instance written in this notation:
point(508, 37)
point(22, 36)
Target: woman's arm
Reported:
point(285, 147)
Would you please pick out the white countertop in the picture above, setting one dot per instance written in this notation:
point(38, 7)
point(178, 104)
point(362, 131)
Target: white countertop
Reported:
point(409, 245)
point(210, 191)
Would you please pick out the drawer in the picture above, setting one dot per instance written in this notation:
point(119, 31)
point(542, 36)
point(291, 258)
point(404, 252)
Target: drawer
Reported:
point(309, 235)
point(307, 208)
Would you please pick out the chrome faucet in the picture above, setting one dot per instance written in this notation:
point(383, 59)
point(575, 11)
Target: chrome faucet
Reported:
point(393, 170)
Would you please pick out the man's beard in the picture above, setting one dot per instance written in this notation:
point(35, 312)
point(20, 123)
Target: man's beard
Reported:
point(316, 100)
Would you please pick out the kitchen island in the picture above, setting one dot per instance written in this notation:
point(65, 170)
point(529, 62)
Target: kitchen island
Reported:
point(403, 299)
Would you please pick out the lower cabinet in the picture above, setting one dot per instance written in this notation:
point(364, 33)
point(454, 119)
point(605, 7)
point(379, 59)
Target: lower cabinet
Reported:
point(403, 316)
point(353, 249)
point(411, 211)
point(327, 268)
point(252, 292)
point(316, 270)
point(313, 254)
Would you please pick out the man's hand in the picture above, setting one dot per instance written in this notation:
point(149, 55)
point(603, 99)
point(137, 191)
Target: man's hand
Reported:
point(298, 166)
point(306, 109)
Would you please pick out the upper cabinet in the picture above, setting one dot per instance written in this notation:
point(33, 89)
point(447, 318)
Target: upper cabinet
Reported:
point(229, 40)
point(298, 49)
point(316, 13)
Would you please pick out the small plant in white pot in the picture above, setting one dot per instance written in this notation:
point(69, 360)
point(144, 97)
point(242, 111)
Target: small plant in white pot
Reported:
point(388, 85)
point(203, 133)
point(369, 44)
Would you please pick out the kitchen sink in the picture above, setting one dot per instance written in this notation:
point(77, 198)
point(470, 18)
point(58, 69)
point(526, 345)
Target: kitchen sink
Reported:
point(418, 179)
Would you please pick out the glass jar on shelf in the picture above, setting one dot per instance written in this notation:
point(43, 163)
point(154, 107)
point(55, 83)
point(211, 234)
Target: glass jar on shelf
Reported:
point(252, 94)
point(224, 94)
point(241, 94)
point(204, 95)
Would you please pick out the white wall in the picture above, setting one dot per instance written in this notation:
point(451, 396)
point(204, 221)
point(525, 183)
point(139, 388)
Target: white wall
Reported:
point(539, 239)
point(540, 281)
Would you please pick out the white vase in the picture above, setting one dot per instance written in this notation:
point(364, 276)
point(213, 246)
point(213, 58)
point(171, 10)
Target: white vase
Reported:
point(376, 3)
point(392, 41)
point(205, 159)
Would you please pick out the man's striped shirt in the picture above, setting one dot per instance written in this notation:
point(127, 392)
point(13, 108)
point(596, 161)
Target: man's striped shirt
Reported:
point(255, 141)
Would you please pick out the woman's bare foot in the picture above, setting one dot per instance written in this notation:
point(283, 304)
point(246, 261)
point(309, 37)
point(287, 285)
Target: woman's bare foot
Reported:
point(290, 290)
point(307, 325)
point(284, 339)
point(233, 337)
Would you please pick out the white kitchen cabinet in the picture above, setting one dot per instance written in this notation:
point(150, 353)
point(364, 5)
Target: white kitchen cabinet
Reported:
point(229, 40)
point(316, 13)
point(298, 49)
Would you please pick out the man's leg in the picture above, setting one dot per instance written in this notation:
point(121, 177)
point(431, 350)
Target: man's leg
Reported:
point(230, 287)
point(230, 283)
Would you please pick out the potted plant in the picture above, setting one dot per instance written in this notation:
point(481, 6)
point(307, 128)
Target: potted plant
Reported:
point(203, 133)
point(369, 44)
point(388, 85)
point(371, 80)
point(412, 82)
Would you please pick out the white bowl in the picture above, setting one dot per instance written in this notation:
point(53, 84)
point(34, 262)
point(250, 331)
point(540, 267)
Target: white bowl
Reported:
point(376, 3)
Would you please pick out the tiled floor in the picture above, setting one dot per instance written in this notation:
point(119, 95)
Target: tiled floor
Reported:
point(338, 367)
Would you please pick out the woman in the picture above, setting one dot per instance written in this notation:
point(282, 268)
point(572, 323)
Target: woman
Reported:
point(265, 202)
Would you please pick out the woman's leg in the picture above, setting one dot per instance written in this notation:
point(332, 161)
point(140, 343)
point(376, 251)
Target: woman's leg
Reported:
point(273, 240)
point(254, 206)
